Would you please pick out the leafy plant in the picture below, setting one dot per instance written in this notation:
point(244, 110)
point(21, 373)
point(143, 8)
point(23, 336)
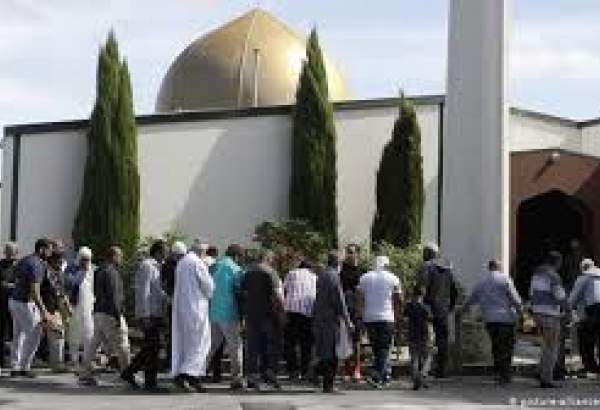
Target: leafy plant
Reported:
point(291, 240)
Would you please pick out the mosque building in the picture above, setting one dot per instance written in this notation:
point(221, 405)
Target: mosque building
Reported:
point(214, 160)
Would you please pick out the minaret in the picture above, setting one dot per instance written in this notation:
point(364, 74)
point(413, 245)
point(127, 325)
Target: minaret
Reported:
point(475, 218)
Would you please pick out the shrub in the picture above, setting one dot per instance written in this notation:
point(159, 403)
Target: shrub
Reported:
point(290, 240)
point(404, 262)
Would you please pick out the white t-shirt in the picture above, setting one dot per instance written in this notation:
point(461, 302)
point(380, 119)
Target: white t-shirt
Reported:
point(378, 288)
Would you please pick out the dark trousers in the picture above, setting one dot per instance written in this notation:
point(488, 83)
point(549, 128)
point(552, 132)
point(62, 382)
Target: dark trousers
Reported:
point(215, 367)
point(380, 336)
point(587, 346)
point(591, 338)
point(148, 357)
point(560, 368)
point(4, 322)
point(298, 334)
point(327, 369)
point(263, 349)
point(440, 330)
point(502, 336)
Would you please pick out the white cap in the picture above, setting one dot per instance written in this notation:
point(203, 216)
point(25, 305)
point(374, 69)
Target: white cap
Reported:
point(586, 264)
point(179, 248)
point(84, 253)
point(432, 246)
point(381, 262)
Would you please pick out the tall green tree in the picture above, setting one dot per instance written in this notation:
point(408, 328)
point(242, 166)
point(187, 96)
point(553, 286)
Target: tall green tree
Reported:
point(400, 195)
point(313, 189)
point(109, 208)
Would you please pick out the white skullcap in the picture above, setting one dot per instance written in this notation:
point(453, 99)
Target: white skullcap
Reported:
point(381, 262)
point(432, 246)
point(179, 248)
point(586, 264)
point(84, 253)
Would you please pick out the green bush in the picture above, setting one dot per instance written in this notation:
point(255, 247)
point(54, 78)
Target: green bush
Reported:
point(404, 262)
point(290, 240)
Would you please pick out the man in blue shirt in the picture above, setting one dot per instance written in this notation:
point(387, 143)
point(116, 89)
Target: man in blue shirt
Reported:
point(27, 309)
point(224, 311)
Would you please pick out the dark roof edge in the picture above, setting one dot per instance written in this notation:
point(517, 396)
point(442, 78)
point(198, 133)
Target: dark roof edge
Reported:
point(589, 123)
point(555, 149)
point(220, 114)
point(545, 117)
point(216, 114)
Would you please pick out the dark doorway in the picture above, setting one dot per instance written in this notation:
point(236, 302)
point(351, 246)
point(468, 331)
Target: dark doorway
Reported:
point(546, 222)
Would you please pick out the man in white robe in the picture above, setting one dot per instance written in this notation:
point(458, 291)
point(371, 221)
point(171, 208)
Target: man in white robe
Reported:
point(191, 327)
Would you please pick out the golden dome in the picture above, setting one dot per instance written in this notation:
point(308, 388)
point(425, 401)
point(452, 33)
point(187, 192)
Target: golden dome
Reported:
point(253, 60)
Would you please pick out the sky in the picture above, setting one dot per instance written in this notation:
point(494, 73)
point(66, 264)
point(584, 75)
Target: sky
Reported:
point(48, 49)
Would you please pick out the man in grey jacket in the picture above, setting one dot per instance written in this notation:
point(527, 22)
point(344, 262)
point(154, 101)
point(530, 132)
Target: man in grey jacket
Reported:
point(548, 304)
point(500, 304)
point(585, 297)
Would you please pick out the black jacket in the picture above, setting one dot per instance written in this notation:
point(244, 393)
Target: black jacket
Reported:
point(108, 290)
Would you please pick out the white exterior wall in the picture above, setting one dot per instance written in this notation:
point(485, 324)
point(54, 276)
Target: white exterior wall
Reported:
point(6, 197)
point(50, 178)
point(213, 179)
point(528, 133)
point(590, 140)
point(362, 135)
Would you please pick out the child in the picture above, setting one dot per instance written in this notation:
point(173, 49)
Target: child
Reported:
point(418, 337)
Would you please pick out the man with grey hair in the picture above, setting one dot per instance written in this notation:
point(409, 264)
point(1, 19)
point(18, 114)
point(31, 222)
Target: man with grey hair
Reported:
point(264, 328)
point(191, 327)
point(11, 251)
point(585, 299)
point(500, 304)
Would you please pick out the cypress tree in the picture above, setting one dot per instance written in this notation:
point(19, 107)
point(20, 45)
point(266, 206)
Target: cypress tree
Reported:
point(313, 189)
point(400, 196)
point(109, 208)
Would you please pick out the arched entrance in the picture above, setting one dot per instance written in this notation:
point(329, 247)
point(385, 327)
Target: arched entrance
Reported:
point(548, 221)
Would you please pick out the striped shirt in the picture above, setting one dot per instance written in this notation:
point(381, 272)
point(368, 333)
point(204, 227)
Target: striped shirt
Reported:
point(300, 287)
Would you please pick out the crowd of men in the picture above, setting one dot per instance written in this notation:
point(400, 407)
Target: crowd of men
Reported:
point(206, 305)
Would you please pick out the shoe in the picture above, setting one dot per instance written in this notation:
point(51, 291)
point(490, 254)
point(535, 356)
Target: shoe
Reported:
point(254, 385)
point(274, 384)
point(129, 378)
point(236, 384)
point(373, 382)
point(549, 385)
point(198, 387)
point(182, 385)
point(156, 390)
point(87, 381)
point(28, 374)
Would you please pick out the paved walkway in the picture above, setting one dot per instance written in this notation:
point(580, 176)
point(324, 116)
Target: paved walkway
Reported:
point(51, 391)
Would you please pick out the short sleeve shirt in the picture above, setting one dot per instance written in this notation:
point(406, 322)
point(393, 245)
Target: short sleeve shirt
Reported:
point(378, 288)
point(227, 276)
point(28, 271)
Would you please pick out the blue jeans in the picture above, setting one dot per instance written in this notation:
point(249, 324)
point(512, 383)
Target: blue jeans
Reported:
point(380, 336)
